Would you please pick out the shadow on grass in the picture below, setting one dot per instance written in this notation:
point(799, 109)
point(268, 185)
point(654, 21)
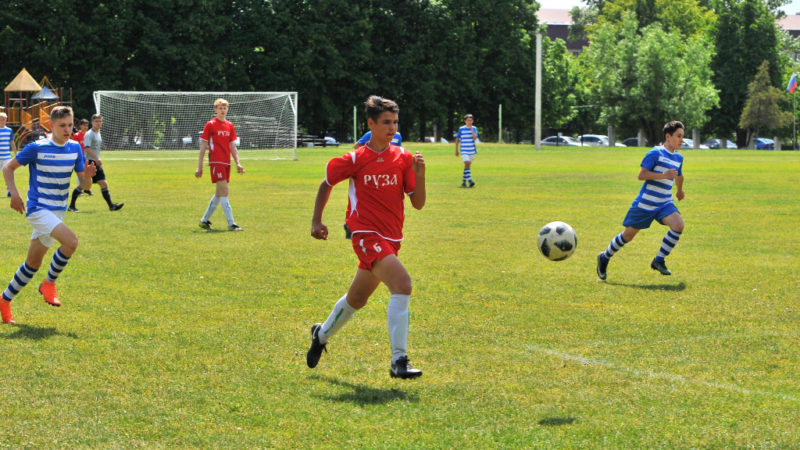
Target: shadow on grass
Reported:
point(556, 421)
point(366, 395)
point(36, 333)
point(652, 287)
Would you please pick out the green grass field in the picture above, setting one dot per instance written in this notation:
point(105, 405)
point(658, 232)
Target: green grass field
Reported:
point(174, 336)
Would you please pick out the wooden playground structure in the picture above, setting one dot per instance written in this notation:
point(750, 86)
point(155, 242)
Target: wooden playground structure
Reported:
point(28, 105)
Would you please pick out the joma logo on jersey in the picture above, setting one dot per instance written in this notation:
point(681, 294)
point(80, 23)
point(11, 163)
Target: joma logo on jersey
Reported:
point(380, 180)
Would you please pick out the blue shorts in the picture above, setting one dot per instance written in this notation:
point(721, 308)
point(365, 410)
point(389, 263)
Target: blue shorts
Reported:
point(641, 218)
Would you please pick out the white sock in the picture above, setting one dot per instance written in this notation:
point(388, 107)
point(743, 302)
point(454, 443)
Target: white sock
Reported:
point(212, 206)
point(397, 318)
point(226, 208)
point(341, 314)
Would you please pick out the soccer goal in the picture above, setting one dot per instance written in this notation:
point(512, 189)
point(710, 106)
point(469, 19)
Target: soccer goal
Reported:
point(174, 120)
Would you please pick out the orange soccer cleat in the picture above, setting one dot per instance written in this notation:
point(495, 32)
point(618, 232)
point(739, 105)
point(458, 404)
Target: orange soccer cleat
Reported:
point(48, 290)
point(5, 310)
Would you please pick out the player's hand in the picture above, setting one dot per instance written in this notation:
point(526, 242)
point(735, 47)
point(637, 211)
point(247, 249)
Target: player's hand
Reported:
point(418, 164)
point(680, 194)
point(670, 174)
point(319, 231)
point(17, 204)
point(90, 170)
point(198, 173)
point(239, 168)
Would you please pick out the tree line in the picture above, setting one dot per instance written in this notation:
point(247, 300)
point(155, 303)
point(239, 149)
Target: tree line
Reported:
point(648, 60)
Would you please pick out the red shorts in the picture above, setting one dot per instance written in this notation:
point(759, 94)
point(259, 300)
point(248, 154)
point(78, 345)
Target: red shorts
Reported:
point(220, 172)
point(370, 247)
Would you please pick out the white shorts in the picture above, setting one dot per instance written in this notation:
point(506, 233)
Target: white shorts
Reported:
point(468, 157)
point(44, 222)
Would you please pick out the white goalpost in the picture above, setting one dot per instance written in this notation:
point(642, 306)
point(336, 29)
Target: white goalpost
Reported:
point(147, 120)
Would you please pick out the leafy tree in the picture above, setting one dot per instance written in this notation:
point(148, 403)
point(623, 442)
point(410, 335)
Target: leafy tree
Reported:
point(645, 80)
point(761, 110)
point(745, 35)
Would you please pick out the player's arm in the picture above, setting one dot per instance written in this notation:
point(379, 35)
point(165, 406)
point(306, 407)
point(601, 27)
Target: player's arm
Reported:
point(458, 141)
point(8, 174)
point(235, 154)
point(646, 174)
point(679, 186)
point(318, 229)
point(203, 147)
point(418, 196)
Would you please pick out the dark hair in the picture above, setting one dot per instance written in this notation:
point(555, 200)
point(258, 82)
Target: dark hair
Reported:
point(468, 116)
point(375, 106)
point(96, 116)
point(672, 127)
point(59, 112)
point(84, 122)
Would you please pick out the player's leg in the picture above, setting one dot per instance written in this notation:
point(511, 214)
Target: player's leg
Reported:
point(467, 176)
point(22, 277)
point(69, 244)
point(363, 285)
point(616, 244)
point(101, 180)
point(395, 276)
point(675, 223)
point(222, 195)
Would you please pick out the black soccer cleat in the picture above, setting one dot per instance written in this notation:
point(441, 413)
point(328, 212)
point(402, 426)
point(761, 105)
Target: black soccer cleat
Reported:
point(315, 351)
point(661, 267)
point(234, 227)
point(205, 224)
point(402, 369)
point(73, 209)
point(116, 206)
point(602, 265)
point(463, 184)
point(471, 183)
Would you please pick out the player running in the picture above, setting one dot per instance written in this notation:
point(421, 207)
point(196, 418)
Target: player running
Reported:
point(51, 161)
point(219, 137)
point(380, 175)
point(661, 167)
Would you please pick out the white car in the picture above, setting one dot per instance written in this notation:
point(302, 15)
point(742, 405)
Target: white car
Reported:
point(560, 141)
point(596, 140)
point(688, 143)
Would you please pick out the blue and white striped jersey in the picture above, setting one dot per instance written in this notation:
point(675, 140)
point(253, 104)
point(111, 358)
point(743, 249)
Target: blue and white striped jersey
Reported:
point(6, 135)
point(50, 167)
point(467, 143)
point(656, 193)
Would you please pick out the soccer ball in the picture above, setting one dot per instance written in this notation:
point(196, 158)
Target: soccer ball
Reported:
point(557, 241)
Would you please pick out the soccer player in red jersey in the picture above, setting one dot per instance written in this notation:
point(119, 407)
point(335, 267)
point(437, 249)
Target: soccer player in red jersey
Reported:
point(380, 175)
point(219, 137)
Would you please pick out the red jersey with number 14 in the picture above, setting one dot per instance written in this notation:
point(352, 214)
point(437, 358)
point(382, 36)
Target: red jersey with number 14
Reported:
point(219, 134)
point(378, 184)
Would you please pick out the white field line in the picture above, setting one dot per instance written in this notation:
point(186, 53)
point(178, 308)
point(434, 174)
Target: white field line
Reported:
point(679, 379)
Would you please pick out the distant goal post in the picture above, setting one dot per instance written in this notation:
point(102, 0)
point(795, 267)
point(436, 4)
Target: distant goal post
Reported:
point(152, 120)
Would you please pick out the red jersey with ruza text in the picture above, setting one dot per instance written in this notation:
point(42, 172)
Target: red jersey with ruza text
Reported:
point(219, 134)
point(378, 184)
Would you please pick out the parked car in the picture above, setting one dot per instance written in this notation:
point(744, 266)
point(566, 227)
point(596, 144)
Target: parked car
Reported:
point(634, 142)
point(595, 140)
point(688, 143)
point(763, 143)
point(560, 141)
point(330, 141)
point(717, 143)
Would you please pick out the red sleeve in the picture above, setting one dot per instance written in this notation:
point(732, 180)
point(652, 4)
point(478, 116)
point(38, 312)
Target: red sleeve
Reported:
point(409, 177)
point(340, 169)
point(206, 136)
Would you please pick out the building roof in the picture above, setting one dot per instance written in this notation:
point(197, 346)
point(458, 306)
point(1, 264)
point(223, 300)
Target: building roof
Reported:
point(554, 16)
point(23, 82)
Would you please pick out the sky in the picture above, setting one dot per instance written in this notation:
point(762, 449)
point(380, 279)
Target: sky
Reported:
point(790, 8)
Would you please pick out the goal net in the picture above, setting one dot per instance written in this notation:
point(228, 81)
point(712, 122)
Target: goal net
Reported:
point(174, 120)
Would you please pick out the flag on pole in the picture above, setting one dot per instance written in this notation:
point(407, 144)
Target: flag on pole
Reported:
point(792, 83)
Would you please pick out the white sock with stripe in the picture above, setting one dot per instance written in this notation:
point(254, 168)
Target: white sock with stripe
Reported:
point(212, 206)
point(397, 317)
point(226, 208)
point(341, 314)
